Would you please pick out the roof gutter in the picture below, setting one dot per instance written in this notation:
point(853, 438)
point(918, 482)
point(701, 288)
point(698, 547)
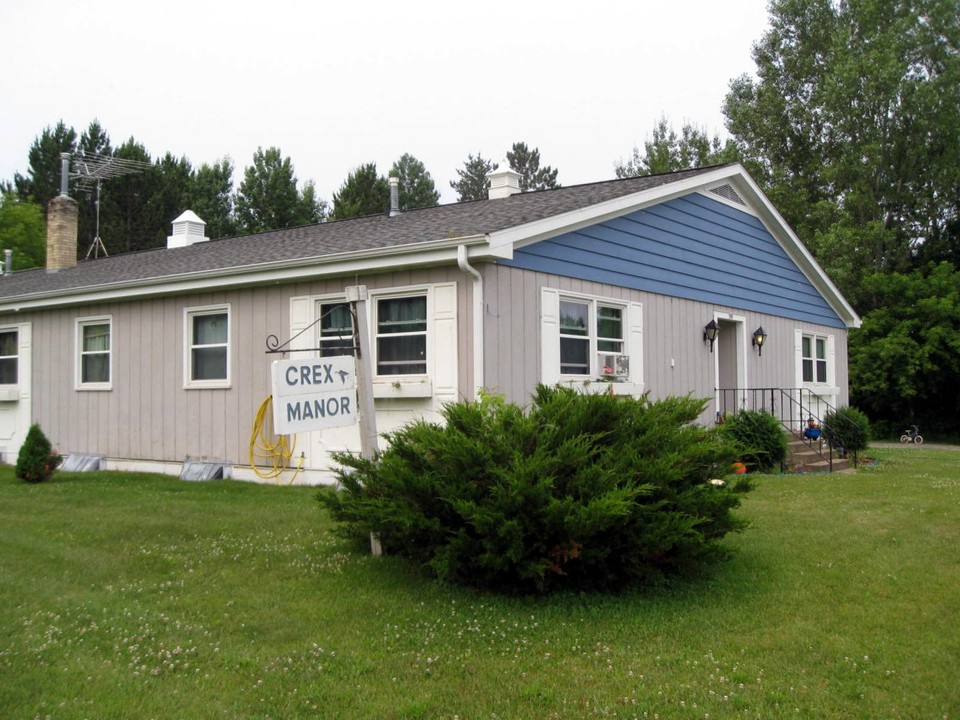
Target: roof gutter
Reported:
point(477, 295)
point(353, 263)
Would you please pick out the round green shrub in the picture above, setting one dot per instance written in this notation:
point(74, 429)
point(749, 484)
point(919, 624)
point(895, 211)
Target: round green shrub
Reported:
point(846, 429)
point(36, 461)
point(760, 438)
point(579, 492)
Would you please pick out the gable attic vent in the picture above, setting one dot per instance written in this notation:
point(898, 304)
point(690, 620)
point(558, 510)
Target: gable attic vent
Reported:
point(187, 230)
point(727, 192)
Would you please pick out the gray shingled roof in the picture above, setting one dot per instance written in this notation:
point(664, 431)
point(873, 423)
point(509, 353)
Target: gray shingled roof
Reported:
point(312, 242)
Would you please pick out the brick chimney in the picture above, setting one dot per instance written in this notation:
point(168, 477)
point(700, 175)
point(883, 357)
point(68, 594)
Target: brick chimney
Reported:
point(62, 224)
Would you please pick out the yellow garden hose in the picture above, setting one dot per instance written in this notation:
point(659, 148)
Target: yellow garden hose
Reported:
point(270, 453)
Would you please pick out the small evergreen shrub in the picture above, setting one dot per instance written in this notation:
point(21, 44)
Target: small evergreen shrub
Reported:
point(760, 438)
point(36, 461)
point(847, 429)
point(580, 492)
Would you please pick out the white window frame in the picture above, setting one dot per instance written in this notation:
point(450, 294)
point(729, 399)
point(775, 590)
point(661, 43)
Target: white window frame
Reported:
point(15, 329)
point(81, 323)
point(375, 298)
point(815, 361)
point(594, 304)
point(828, 390)
point(631, 318)
point(189, 314)
point(318, 310)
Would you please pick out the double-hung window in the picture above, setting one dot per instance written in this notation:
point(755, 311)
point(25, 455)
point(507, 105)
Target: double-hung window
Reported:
point(590, 332)
point(401, 335)
point(9, 357)
point(208, 346)
point(813, 352)
point(336, 329)
point(94, 337)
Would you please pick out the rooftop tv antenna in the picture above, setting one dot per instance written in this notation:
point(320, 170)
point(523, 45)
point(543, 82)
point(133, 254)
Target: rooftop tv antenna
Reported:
point(91, 170)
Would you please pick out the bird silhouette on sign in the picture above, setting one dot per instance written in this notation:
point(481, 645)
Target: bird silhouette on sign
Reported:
point(343, 375)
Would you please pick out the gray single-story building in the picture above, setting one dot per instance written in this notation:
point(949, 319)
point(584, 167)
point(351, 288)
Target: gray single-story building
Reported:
point(661, 284)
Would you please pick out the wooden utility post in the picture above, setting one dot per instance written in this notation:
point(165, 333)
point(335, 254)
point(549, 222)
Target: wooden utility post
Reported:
point(367, 420)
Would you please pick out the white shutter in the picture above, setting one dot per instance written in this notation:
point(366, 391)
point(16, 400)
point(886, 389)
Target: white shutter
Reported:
point(549, 336)
point(798, 357)
point(301, 315)
point(635, 342)
point(444, 336)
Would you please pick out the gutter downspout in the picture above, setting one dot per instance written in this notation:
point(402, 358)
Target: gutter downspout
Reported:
point(466, 267)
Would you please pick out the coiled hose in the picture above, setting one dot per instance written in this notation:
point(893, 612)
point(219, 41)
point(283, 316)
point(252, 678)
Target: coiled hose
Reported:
point(270, 454)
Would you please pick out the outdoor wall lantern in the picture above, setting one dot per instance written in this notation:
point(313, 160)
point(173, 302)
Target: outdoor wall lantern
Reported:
point(710, 332)
point(759, 338)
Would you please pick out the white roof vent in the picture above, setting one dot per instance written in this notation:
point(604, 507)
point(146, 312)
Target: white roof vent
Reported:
point(728, 193)
point(187, 230)
point(504, 182)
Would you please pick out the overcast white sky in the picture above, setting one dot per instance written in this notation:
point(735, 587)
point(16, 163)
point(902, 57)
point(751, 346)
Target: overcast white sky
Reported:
point(338, 84)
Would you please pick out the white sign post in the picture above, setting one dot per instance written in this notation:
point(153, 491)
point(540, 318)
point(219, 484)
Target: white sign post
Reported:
point(314, 394)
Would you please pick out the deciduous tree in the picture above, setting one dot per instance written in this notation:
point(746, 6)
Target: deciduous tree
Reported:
point(22, 230)
point(667, 152)
point(211, 197)
point(362, 193)
point(416, 189)
point(855, 113)
point(268, 197)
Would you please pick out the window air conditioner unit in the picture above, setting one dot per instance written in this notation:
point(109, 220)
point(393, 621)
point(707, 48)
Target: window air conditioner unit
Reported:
point(614, 366)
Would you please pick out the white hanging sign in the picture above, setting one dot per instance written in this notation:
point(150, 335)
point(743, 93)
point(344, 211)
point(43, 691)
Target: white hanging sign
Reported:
point(314, 394)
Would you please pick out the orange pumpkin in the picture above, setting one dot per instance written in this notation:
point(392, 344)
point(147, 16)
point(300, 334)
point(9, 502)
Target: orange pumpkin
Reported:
point(739, 468)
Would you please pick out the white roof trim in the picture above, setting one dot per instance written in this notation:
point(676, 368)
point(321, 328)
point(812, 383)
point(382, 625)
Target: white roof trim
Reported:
point(539, 230)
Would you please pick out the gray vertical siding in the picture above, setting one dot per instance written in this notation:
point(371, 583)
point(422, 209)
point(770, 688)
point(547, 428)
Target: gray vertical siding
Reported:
point(672, 331)
point(148, 414)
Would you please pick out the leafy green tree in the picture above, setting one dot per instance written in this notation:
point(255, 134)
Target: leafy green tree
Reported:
point(667, 152)
point(362, 193)
point(527, 162)
point(211, 197)
point(268, 197)
point(473, 183)
point(905, 360)
point(855, 114)
point(416, 189)
point(22, 229)
point(42, 182)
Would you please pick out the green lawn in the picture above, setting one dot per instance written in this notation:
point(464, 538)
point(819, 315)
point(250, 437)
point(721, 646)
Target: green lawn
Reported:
point(145, 597)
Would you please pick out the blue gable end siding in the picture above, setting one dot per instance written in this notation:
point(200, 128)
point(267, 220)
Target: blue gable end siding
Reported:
point(691, 247)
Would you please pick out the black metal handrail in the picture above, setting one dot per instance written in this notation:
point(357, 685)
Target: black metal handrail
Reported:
point(792, 407)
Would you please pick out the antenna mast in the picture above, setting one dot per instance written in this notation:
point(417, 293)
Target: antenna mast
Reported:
point(91, 171)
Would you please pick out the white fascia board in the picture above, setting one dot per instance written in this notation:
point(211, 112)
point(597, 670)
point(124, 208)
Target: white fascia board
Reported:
point(367, 261)
point(795, 249)
point(504, 241)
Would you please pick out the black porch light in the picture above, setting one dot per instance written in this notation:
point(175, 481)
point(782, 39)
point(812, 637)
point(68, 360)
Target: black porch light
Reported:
point(759, 338)
point(710, 332)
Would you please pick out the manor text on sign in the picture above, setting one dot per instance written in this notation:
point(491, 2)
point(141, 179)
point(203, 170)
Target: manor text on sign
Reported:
point(314, 393)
